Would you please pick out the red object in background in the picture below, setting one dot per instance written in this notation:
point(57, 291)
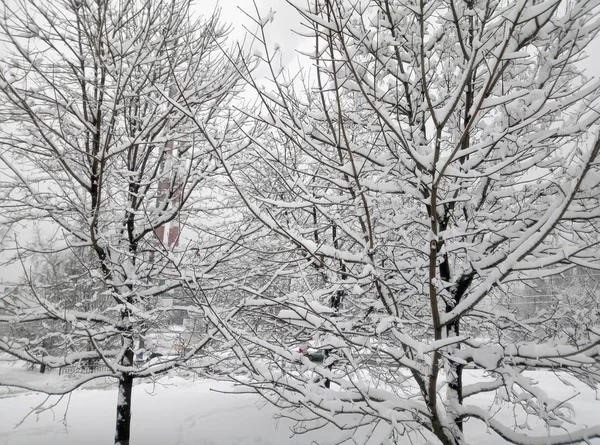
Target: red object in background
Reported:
point(173, 236)
point(172, 228)
point(160, 233)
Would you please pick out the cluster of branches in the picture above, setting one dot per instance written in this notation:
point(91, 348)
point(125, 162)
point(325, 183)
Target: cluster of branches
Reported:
point(436, 155)
point(101, 102)
point(440, 153)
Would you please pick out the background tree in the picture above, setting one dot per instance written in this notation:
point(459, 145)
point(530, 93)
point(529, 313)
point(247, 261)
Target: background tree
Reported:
point(437, 152)
point(96, 146)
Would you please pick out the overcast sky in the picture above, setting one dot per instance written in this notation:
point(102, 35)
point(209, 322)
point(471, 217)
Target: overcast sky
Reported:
point(280, 32)
point(286, 20)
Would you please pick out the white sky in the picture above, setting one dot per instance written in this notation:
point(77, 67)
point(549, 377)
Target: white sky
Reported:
point(286, 19)
point(280, 32)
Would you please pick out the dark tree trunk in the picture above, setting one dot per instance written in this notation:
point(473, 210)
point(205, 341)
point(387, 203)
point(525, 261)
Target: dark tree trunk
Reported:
point(457, 384)
point(453, 330)
point(123, 427)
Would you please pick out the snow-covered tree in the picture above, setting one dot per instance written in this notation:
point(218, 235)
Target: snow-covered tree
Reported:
point(435, 153)
point(99, 102)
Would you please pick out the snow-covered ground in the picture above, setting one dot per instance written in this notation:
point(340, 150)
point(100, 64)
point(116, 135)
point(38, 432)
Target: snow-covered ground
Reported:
point(177, 411)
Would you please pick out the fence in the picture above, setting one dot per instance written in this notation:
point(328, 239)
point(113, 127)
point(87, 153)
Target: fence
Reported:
point(83, 368)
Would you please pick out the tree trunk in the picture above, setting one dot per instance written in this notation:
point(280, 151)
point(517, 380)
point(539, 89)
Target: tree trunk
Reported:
point(455, 375)
point(123, 426)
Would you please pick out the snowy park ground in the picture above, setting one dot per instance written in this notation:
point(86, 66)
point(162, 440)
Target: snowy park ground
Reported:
point(178, 411)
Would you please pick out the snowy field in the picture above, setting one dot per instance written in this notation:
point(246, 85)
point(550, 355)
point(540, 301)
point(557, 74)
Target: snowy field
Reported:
point(175, 411)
